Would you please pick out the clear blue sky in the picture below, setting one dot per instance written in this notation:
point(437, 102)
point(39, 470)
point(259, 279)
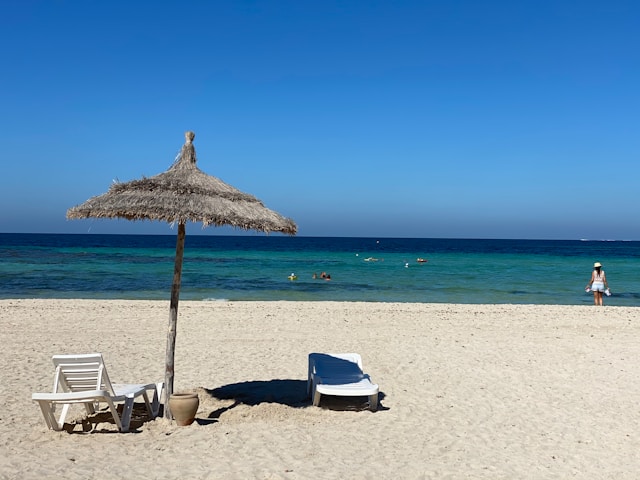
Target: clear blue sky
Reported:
point(450, 118)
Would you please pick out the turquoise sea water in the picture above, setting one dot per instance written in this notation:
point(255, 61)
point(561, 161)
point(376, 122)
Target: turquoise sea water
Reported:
point(258, 267)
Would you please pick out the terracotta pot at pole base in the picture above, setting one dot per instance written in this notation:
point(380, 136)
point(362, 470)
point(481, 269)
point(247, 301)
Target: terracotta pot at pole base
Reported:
point(184, 407)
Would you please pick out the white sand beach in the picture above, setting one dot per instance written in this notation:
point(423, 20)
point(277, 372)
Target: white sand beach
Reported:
point(466, 391)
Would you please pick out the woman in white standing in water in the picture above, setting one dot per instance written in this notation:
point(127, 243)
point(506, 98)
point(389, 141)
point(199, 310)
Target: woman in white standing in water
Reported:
point(598, 283)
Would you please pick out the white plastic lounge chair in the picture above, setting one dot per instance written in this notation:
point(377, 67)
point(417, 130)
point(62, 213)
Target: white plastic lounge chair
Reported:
point(339, 374)
point(83, 379)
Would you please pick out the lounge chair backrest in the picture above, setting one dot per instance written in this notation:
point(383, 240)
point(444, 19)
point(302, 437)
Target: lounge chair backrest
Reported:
point(79, 373)
point(333, 365)
point(351, 357)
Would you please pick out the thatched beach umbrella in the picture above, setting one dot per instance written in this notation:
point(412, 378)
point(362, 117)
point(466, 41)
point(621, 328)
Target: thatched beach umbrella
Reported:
point(182, 194)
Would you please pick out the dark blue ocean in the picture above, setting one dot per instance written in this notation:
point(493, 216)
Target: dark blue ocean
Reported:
point(362, 269)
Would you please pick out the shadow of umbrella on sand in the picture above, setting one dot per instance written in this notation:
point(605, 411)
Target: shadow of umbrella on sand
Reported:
point(182, 194)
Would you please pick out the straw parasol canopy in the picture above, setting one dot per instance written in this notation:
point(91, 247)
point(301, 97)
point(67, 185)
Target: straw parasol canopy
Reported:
point(182, 194)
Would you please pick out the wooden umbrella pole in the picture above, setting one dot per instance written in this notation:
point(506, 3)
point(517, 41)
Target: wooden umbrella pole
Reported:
point(173, 321)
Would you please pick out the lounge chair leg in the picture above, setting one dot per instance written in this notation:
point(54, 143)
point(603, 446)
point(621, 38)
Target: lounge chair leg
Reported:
point(157, 399)
point(63, 414)
point(48, 410)
point(116, 417)
point(373, 402)
point(147, 404)
point(316, 399)
point(90, 407)
point(127, 410)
